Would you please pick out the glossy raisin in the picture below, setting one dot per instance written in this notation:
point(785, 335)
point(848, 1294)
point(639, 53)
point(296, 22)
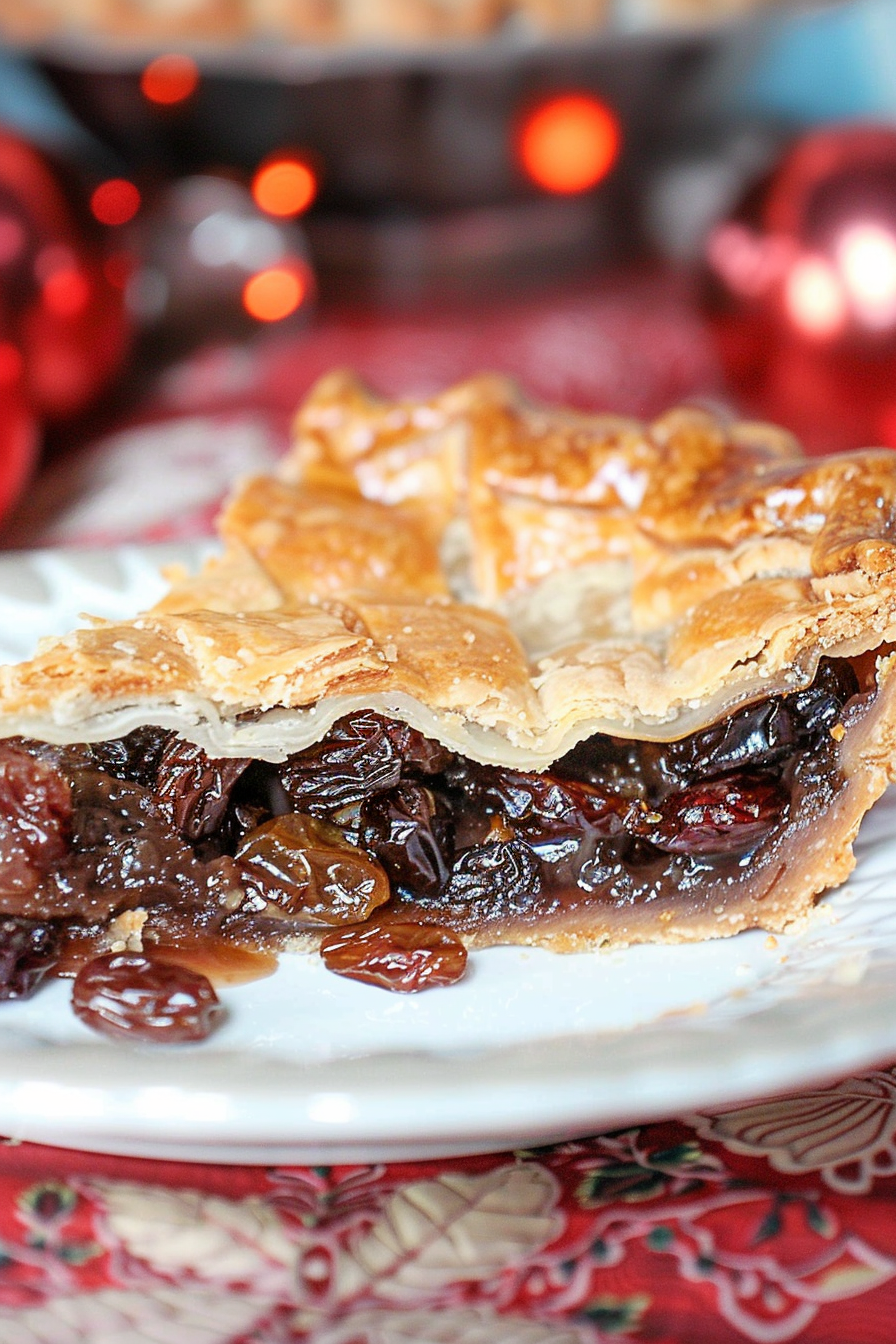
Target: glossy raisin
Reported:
point(753, 738)
point(419, 755)
point(718, 816)
point(405, 958)
point(767, 733)
point(503, 874)
point(193, 790)
point(355, 760)
point(304, 870)
point(124, 852)
point(544, 807)
point(410, 835)
point(29, 948)
point(818, 707)
point(756, 737)
point(134, 757)
point(35, 824)
point(141, 998)
point(615, 765)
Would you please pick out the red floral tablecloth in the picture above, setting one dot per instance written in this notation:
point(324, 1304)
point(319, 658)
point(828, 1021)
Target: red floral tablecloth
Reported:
point(773, 1222)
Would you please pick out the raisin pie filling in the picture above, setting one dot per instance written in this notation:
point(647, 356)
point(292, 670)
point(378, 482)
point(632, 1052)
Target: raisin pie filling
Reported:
point(377, 830)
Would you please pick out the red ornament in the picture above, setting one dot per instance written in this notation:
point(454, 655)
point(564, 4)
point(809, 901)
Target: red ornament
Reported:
point(19, 430)
point(63, 313)
point(802, 290)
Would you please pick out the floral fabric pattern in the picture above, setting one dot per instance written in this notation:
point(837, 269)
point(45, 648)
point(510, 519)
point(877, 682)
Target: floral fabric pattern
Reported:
point(768, 1223)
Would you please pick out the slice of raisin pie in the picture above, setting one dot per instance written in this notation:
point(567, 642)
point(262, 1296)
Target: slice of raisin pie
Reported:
point(468, 671)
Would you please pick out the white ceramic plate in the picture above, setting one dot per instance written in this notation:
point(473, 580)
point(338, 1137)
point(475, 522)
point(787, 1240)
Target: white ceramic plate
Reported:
point(530, 1047)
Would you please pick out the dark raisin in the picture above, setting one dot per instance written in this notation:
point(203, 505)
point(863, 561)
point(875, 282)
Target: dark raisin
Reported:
point(619, 766)
point(124, 852)
point(754, 738)
point(836, 677)
point(410, 835)
point(404, 958)
point(545, 807)
point(419, 755)
point(818, 707)
point(126, 994)
point(28, 949)
point(303, 869)
point(135, 757)
point(503, 873)
point(193, 789)
point(35, 824)
point(565, 821)
point(355, 760)
point(719, 816)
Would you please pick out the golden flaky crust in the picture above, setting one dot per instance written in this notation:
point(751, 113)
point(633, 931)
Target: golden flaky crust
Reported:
point(511, 579)
point(507, 577)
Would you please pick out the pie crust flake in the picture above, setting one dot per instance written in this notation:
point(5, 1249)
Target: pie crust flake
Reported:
point(610, 681)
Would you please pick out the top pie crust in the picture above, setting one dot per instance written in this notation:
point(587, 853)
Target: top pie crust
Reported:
point(508, 578)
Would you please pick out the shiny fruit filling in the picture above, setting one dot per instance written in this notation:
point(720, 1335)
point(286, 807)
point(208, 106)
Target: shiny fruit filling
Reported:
point(387, 848)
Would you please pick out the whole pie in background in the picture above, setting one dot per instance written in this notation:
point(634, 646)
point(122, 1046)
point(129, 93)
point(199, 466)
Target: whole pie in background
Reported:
point(349, 21)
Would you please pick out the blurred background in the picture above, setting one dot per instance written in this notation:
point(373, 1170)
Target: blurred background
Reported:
point(206, 204)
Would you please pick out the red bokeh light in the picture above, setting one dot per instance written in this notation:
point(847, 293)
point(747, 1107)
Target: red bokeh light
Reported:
point(66, 293)
point(284, 187)
point(169, 79)
point(115, 202)
point(568, 143)
point(275, 293)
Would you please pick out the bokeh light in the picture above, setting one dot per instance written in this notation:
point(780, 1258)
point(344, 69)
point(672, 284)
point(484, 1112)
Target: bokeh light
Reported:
point(569, 143)
point(115, 201)
point(749, 262)
point(275, 293)
point(814, 297)
point(227, 238)
point(66, 293)
point(866, 256)
point(169, 79)
point(284, 187)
